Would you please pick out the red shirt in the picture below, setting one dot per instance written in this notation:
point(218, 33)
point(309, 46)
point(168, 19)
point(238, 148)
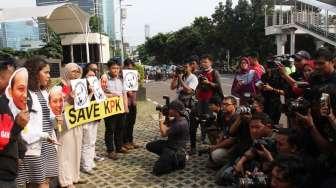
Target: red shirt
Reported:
point(206, 94)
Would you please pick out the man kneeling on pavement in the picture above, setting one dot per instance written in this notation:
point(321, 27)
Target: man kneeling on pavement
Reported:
point(171, 151)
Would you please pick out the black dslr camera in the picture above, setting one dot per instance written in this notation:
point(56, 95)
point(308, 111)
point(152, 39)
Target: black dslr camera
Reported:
point(269, 143)
point(164, 109)
point(300, 105)
point(180, 70)
point(282, 60)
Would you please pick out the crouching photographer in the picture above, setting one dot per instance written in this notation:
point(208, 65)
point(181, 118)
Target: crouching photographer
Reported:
point(172, 154)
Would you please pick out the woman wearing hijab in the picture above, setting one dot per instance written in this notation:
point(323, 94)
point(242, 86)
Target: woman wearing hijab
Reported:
point(244, 83)
point(69, 154)
point(40, 163)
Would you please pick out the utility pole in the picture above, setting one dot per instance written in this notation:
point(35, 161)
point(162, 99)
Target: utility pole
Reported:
point(121, 33)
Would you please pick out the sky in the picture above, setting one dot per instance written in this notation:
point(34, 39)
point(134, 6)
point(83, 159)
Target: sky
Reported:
point(160, 15)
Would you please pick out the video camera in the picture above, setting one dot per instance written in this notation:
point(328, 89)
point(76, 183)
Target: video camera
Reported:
point(282, 60)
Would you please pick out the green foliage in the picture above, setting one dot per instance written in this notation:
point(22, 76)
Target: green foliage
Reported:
point(141, 71)
point(95, 24)
point(238, 29)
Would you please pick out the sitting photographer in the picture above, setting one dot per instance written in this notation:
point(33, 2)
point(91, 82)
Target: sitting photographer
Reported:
point(171, 151)
point(221, 151)
point(185, 83)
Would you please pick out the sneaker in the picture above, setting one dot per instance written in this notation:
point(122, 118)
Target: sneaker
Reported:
point(98, 158)
point(112, 155)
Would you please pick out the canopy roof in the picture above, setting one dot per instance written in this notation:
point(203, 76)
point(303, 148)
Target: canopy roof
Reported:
point(62, 18)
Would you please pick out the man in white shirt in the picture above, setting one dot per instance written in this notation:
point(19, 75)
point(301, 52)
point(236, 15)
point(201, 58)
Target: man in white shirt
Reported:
point(185, 83)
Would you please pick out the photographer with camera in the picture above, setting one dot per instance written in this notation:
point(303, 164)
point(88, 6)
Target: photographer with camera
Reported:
point(208, 86)
point(222, 150)
point(171, 151)
point(185, 83)
point(271, 88)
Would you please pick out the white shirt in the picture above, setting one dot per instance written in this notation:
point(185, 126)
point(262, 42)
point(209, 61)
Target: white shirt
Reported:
point(116, 86)
point(191, 81)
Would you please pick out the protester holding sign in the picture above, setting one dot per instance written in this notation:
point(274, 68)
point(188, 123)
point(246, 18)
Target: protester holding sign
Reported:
point(89, 131)
point(114, 125)
point(40, 163)
point(69, 155)
point(132, 107)
point(10, 129)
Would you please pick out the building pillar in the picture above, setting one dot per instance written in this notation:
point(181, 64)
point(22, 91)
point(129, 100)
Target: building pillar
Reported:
point(281, 41)
point(292, 42)
point(71, 54)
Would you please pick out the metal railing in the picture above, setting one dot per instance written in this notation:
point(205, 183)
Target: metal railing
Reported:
point(314, 19)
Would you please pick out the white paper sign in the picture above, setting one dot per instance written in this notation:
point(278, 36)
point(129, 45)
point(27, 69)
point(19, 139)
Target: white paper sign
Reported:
point(130, 78)
point(81, 98)
point(96, 88)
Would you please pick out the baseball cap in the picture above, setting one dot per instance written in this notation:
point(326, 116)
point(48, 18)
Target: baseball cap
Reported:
point(301, 55)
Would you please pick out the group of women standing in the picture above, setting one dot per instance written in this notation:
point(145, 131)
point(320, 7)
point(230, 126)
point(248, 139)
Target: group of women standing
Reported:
point(52, 150)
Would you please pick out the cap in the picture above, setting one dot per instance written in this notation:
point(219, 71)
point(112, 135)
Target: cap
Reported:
point(301, 55)
point(178, 106)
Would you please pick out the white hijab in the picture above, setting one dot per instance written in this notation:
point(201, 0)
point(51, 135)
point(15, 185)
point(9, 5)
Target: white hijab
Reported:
point(11, 104)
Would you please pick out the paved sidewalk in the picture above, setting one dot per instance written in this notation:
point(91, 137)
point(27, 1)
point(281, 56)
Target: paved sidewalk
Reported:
point(133, 169)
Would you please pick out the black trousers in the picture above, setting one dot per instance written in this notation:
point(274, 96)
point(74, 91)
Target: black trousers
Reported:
point(169, 160)
point(114, 130)
point(129, 124)
point(200, 108)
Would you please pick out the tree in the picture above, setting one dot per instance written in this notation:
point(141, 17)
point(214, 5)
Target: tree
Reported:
point(95, 24)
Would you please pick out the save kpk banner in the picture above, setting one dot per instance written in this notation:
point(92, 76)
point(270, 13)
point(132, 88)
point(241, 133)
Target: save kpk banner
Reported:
point(95, 111)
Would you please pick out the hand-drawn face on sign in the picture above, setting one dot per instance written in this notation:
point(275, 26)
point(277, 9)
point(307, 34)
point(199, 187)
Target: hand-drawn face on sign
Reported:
point(97, 90)
point(81, 94)
point(130, 80)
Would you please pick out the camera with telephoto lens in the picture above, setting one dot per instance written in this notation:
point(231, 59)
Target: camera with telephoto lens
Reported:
point(180, 70)
point(299, 105)
point(164, 109)
point(244, 109)
point(267, 142)
point(259, 180)
point(282, 60)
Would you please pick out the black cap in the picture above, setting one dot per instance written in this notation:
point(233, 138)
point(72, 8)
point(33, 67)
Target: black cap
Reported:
point(301, 55)
point(178, 106)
